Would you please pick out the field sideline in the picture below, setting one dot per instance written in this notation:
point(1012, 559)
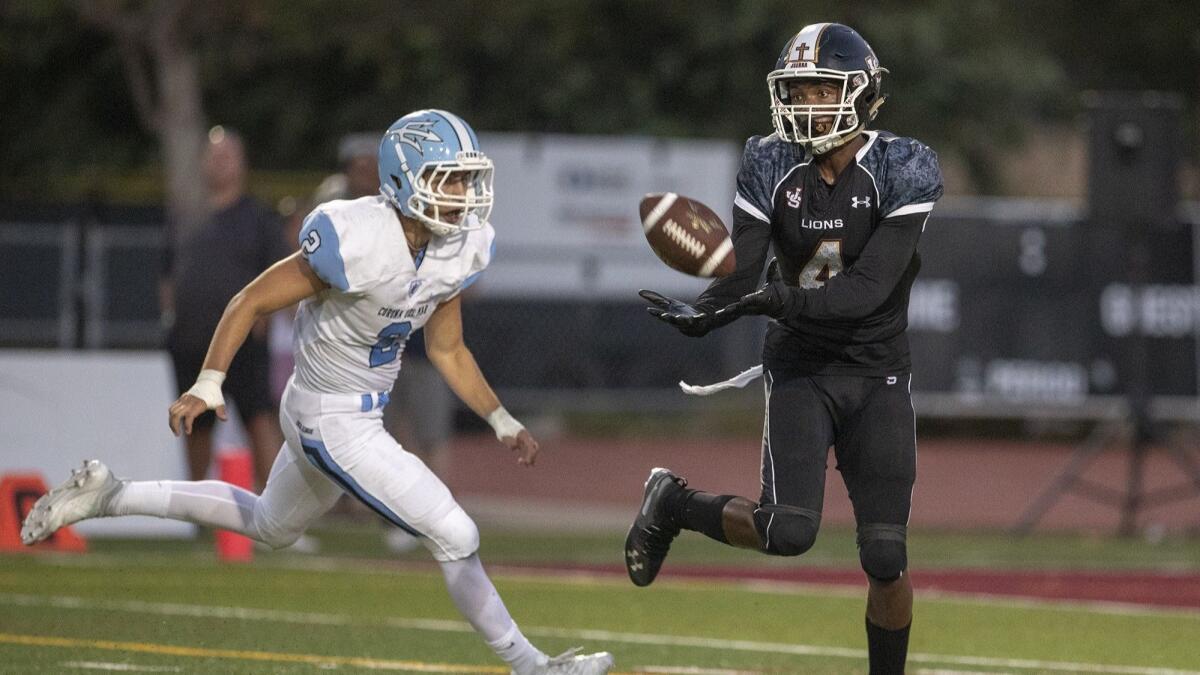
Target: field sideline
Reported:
point(142, 607)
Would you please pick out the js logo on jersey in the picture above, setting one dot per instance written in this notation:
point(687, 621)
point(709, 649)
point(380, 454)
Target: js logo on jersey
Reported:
point(856, 202)
point(793, 197)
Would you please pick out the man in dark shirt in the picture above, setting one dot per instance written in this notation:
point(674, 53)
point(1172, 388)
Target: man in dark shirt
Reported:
point(202, 270)
point(843, 208)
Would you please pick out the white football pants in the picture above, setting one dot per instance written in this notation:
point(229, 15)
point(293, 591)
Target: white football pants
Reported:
point(335, 443)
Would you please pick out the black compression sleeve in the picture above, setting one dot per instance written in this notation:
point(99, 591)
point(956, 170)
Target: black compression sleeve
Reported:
point(751, 239)
point(862, 288)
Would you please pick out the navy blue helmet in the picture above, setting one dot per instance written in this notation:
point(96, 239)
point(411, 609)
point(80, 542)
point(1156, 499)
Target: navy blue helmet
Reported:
point(833, 53)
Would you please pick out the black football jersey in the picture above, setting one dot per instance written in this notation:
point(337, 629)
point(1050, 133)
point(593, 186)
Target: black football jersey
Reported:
point(848, 249)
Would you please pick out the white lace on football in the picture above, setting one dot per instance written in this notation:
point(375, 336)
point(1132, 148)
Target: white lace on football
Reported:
point(682, 237)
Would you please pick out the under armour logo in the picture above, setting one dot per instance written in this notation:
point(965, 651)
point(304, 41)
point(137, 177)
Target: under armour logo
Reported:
point(891, 379)
point(413, 134)
point(633, 561)
point(855, 202)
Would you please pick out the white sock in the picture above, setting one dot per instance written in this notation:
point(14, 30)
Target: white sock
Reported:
point(141, 498)
point(517, 652)
point(478, 601)
point(210, 502)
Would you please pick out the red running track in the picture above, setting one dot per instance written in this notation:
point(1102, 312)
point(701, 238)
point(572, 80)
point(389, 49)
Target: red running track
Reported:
point(961, 484)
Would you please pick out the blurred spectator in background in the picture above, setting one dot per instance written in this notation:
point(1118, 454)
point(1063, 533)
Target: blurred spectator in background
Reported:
point(421, 413)
point(358, 170)
point(202, 270)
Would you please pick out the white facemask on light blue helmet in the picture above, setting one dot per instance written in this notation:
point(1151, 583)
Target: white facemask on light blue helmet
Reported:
point(431, 169)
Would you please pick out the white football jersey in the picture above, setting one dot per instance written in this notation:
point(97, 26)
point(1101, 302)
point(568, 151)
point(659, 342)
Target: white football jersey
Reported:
point(348, 338)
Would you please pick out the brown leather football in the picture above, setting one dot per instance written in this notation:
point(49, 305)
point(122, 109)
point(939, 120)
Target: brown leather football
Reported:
point(687, 235)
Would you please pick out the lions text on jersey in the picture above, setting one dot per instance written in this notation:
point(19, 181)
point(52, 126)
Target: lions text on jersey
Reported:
point(348, 339)
point(850, 245)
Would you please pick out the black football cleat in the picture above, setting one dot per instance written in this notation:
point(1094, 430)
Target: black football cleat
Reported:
point(650, 537)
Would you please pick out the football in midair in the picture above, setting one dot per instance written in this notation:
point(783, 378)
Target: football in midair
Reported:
point(687, 235)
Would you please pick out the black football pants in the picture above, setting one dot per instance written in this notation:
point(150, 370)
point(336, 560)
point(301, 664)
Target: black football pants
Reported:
point(870, 423)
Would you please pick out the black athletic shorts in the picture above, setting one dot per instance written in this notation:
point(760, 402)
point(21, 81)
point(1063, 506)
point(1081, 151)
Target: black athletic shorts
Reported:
point(869, 421)
point(247, 384)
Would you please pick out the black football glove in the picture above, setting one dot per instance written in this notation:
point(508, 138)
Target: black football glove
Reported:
point(768, 300)
point(690, 321)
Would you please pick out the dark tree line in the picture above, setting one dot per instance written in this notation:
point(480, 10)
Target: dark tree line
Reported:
point(968, 76)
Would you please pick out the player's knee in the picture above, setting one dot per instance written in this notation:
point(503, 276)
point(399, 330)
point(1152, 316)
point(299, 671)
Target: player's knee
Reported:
point(882, 551)
point(786, 530)
point(454, 537)
point(274, 534)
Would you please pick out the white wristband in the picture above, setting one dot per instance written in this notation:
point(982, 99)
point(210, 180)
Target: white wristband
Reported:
point(505, 425)
point(208, 388)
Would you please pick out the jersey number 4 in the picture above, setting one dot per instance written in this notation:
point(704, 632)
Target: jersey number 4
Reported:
point(825, 263)
point(391, 342)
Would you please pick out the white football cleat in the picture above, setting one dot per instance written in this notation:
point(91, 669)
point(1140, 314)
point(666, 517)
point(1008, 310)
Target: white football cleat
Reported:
point(569, 663)
point(86, 494)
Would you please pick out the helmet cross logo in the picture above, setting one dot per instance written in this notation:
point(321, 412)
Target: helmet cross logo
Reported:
point(798, 50)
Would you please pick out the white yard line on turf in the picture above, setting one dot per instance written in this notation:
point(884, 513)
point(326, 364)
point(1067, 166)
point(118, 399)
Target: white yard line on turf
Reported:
point(991, 599)
point(690, 670)
point(587, 578)
point(121, 667)
point(442, 625)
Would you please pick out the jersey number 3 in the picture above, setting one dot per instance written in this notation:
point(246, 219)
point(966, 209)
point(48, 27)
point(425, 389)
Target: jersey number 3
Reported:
point(391, 342)
point(825, 263)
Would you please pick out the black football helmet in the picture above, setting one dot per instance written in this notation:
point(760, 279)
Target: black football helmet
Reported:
point(826, 52)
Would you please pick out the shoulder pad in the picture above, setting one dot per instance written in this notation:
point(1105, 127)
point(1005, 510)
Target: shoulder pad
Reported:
point(482, 245)
point(765, 160)
point(910, 179)
point(340, 241)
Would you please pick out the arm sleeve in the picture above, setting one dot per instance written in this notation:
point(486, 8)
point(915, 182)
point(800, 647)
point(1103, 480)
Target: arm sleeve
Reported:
point(751, 240)
point(751, 230)
point(913, 184)
point(860, 290)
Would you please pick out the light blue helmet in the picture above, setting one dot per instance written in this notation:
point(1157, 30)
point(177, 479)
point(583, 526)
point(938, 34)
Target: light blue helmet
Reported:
point(424, 153)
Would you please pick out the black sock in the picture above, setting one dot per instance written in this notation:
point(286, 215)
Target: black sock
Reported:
point(887, 649)
point(701, 512)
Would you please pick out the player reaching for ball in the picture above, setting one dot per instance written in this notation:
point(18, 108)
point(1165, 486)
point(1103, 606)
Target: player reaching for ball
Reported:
point(369, 273)
point(844, 208)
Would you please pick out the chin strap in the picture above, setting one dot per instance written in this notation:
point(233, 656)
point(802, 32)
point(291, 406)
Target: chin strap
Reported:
point(836, 142)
